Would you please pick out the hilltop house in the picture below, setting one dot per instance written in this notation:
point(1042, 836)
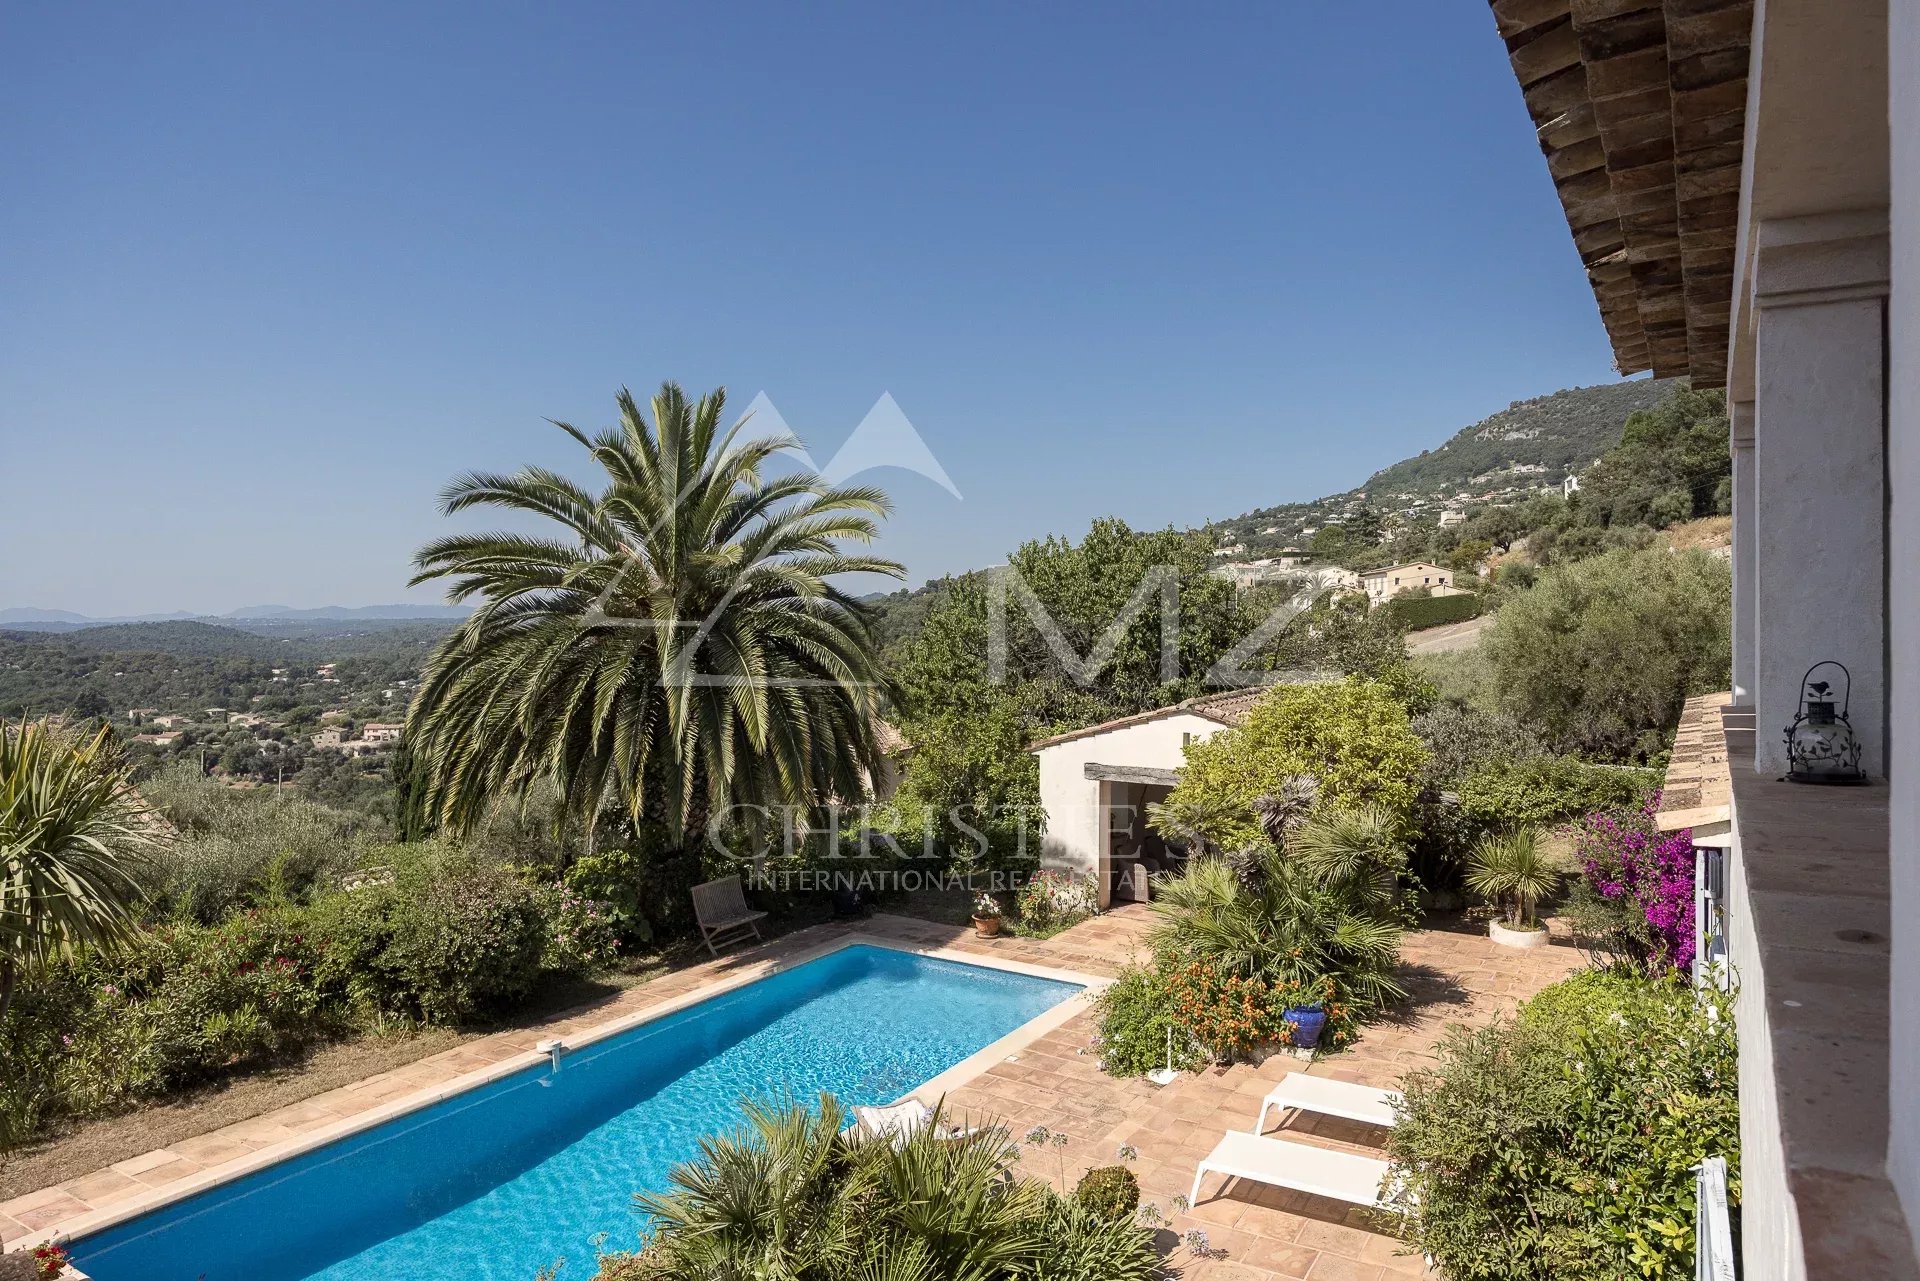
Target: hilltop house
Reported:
point(1385, 583)
point(381, 731)
point(1742, 180)
point(1095, 785)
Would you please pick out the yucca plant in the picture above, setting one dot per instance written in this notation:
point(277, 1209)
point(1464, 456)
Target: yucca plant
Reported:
point(1513, 872)
point(74, 841)
point(674, 647)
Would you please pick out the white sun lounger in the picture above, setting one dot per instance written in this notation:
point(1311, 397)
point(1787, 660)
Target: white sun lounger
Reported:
point(1305, 1093)
point(1277, 1163)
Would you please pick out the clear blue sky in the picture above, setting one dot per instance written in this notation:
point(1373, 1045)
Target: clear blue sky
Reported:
point(272, 274)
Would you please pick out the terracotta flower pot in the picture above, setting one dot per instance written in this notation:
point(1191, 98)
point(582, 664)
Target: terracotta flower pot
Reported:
point(1508, 936)
point(986, 926)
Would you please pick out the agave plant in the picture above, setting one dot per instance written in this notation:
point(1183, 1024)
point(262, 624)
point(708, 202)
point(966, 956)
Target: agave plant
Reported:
point(1513, 871)
point(74, 840)
point(675, 646)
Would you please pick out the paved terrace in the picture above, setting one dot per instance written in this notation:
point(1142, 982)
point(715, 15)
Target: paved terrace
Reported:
point(1257, 1233)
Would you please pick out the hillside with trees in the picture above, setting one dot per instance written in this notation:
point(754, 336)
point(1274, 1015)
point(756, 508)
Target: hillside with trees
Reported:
point(1526, 448)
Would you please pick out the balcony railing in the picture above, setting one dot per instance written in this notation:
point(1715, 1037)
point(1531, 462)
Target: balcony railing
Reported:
point(1713, 1258)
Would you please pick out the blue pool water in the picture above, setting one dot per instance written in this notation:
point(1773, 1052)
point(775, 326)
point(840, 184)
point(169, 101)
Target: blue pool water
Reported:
point(506, 1179)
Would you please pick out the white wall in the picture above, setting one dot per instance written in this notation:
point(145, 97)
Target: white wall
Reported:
point(1076, 835)
point(1820, 470)
point(1769, 1229)
point(1903, 605)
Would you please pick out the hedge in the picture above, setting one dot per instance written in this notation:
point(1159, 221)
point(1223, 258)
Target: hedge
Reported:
point(1541, 791)
point(1412, 613)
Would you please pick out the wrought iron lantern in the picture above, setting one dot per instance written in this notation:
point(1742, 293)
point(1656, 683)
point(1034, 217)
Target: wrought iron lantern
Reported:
point(1821, 744)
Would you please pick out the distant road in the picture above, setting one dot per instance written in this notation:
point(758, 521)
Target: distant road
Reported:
point(1447, 637)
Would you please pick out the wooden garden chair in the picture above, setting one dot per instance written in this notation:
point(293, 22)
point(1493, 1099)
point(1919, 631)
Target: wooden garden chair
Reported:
point(721, 908)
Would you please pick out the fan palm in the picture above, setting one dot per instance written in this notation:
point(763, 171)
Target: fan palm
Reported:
point(675, 646)
point(1327, 906)
point(73, 842)
point(1513, 871)
point(1198, 822)
point(791, 1197)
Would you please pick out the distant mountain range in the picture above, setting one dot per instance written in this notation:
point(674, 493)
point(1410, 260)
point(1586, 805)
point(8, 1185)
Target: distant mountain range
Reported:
point(28, 619)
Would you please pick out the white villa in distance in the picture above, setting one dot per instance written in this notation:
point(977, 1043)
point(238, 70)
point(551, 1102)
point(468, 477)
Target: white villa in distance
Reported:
point(1388, 581)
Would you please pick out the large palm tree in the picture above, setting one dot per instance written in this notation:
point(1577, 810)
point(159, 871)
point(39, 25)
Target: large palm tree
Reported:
point(73, 845)
point(675, 646)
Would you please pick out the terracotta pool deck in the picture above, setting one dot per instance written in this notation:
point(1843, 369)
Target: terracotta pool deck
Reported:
point(1053, 1082)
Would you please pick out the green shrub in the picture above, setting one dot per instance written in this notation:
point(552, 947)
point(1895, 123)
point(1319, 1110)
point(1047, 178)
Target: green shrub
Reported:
point(181, 1004)
point(448, 944)
point(1353, 736)
point(1051, 901)
point(1411, 613)
point(1079, 1243)
point(581, 934)
point(617, 878)
point(448, 939)
point(1543, 791)
point(241, 848)
point(1137, 1011)
point(1110, 1191)
point(647, 884)
point(1601, 654)
point(1560, 1144)
point(1314, 922)
point(1514, 871)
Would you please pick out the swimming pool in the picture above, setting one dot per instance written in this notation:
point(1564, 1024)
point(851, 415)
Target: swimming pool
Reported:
point(498, 1182)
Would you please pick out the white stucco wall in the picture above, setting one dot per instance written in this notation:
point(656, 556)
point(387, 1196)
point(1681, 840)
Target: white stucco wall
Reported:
point(1903, 605)
point(1769, 1227)
point(1075, 835)
point(1820, 472)
point(1745, 540)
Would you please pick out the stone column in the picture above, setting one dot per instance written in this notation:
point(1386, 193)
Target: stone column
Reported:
point(1820, 288)
point(1745, 532)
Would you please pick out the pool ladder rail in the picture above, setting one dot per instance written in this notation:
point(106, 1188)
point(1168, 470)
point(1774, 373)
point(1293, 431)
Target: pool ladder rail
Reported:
point(553, 1050)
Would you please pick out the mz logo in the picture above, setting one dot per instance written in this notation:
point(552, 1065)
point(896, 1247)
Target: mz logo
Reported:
point(1162, 582)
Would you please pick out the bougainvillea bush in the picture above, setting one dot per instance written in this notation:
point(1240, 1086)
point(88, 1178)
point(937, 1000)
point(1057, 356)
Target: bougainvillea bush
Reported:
point(1635, 896)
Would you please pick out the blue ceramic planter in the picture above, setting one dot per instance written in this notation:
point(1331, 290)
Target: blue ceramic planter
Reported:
point(1308, 1024)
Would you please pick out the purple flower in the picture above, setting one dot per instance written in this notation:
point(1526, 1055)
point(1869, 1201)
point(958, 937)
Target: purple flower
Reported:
point(1635, 863)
